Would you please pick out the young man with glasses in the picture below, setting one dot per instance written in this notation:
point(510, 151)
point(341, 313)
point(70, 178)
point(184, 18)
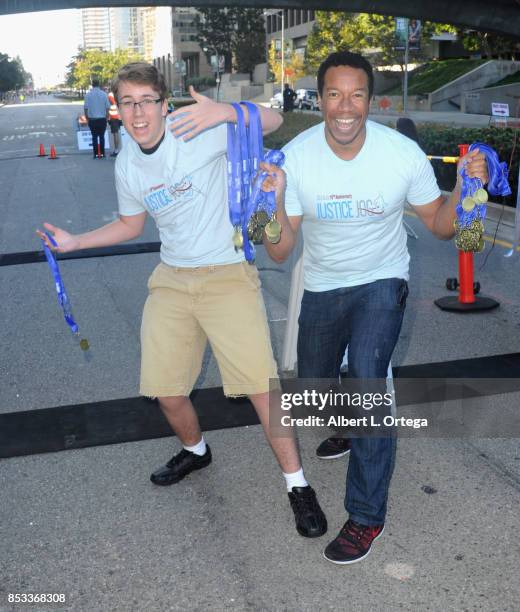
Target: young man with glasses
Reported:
point(202, 289)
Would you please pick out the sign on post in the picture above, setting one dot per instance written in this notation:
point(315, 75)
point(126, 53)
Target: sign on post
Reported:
point(499, 109)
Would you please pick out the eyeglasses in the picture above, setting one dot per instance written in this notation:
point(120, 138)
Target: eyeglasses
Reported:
point(128, 106)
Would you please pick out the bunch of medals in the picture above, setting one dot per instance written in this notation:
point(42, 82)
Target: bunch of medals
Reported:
point(469, 227)
point(471, 209)
point(252, 211)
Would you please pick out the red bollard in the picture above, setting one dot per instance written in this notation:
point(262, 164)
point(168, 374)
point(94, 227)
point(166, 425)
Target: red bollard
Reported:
point(466, 300)
point(99, 149)
point(463, 149)
point(466, 295)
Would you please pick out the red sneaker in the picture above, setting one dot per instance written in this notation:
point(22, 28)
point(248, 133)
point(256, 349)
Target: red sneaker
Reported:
point(353, 543)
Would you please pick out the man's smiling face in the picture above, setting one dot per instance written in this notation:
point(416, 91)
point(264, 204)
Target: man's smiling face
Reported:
point(344, 103)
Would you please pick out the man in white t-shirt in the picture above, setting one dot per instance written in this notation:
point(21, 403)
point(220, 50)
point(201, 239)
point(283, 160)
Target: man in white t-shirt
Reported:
point(347, 182)
point(203, 288)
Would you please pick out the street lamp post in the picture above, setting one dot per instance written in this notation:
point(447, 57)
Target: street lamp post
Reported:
point(217, 79)
point(283, 49)
point(282, 13)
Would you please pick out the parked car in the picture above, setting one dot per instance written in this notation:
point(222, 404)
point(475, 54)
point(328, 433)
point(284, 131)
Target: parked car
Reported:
point(307, 98)
point(276, 101)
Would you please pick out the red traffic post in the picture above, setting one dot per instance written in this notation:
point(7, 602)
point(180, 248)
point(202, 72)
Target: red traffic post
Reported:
point(466, 300)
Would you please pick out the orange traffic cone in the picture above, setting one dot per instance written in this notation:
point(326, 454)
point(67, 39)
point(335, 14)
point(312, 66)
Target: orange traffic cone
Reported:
point(42, 151)
point(53, 153)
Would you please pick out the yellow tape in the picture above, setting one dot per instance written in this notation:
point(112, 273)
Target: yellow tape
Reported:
point(445, 159)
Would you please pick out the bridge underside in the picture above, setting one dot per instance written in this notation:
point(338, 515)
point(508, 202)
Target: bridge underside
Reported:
point(499, 16)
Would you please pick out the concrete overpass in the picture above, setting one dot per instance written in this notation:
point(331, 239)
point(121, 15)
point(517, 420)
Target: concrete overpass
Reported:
point(499, 16)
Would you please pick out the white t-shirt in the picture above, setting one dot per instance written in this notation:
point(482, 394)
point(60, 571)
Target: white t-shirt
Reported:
point(353, 210)
point(183, 186)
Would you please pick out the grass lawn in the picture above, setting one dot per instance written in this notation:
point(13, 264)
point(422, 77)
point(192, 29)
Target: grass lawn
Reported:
point(508, 80)
point(293, 124)
point(435, 74)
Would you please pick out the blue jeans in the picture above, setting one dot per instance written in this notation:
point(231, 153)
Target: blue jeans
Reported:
point(367, 319)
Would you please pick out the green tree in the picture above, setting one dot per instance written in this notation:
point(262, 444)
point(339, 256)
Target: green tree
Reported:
point(12, 73)
point(361, 33)
point(95, 63)
point(215, 32)
point(249, 39)
point(489, 44)
point(293, 65)
point(236, 33)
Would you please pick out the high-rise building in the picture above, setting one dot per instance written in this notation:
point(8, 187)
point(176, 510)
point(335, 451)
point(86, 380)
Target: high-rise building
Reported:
point(126, 28)
point(95, 27)
point(148, 15)
point(294, 25)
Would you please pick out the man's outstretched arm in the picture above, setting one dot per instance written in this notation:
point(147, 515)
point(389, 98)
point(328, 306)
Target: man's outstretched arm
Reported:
point(190, 120)
point(123, 229)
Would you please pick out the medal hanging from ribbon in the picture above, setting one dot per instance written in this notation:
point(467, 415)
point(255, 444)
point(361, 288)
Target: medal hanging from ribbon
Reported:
point(63, 299)
point(251, 210)
point(471, 209)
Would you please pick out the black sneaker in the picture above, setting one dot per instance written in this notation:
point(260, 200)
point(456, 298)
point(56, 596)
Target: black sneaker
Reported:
point(310, 520)
point(333, 448)
point(353, 543)
point(179, 466)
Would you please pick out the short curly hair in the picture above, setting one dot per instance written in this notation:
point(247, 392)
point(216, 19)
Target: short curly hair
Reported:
point(143, 74)
point(346, 58)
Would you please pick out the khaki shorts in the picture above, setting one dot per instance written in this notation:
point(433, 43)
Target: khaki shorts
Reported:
point(188, 306)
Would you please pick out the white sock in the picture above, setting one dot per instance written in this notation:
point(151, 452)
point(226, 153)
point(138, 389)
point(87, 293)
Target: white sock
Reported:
point(198, 449)
point(296, 479)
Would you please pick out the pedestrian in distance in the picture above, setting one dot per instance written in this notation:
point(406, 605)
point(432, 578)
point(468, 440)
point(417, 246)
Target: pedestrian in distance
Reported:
point(176, 172)
point(289, 96)
point(97, 106)
point(345, 183)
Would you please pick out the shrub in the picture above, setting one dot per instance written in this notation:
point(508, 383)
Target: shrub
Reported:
point(201, 83)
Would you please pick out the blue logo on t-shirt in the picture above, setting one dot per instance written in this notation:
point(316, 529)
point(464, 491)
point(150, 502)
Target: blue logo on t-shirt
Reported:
point(161, 196)
point(344, 207)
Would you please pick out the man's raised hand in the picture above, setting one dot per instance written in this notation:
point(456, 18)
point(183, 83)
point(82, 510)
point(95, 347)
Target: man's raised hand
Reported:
point(193, 119)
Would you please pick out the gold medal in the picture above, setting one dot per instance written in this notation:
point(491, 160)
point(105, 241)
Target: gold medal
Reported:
point(273, 230)
point(84, 345)
point(481, 196)
point(468, 204)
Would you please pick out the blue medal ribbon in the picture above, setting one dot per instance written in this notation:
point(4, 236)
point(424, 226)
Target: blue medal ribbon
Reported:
point(245, 152)
point(63, 299)
point(497, 185)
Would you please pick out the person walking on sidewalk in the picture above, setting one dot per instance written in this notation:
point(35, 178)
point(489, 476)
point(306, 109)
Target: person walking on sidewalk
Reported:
point(203, 288)
point(289, 96)
point(115, 123)
point(96, 107)
point(347, 183)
